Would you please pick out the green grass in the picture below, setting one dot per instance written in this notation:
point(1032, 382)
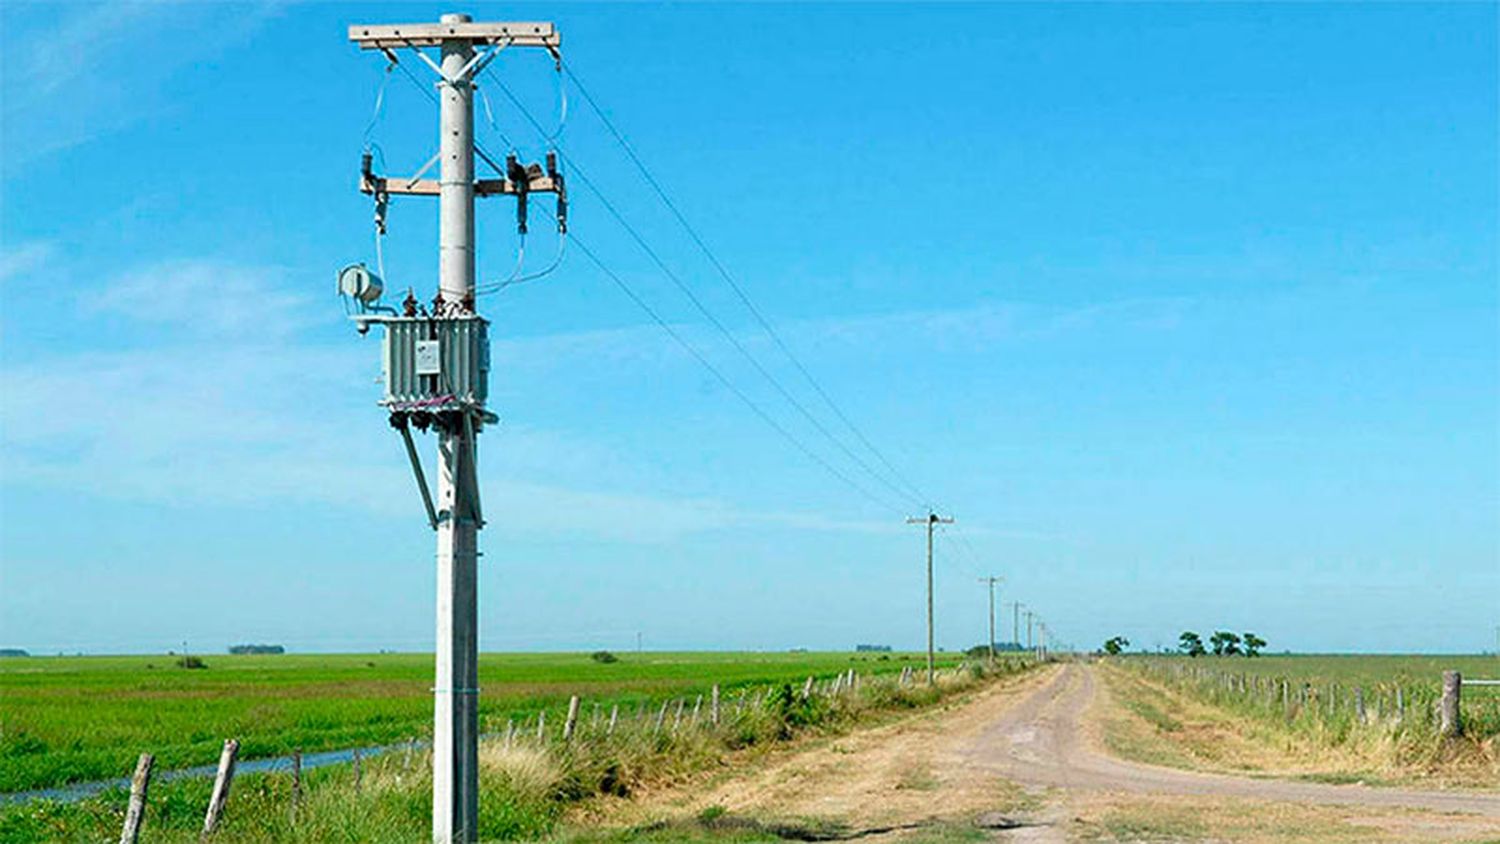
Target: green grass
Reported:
point(76, 719)
point(526, 785)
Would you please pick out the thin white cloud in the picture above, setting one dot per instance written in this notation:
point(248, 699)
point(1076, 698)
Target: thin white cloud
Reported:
point(204, 296)
point(212, 412)
point(22, 259)
point(72, 72)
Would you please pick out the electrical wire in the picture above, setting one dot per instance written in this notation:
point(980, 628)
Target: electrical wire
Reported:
point(577, 171)
point(379, 102)
point(722, 378)
point(517, 278)
point(739, 291)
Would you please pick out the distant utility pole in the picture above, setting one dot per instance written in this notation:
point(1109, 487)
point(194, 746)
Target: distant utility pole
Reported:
point(1029, 615)
point(437, 365)
point(1015, 623)
point(991, 581)
point(932, 520)
point(637, 642)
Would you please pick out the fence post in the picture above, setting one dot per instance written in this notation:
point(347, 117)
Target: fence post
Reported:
point(697, 708)
point(1359, 704)
point(677, 716)
point(541, 725)
point(1448, 708)
point(807, 688)
point(137, 810)
point(222, 780)
point(614, 715)
point(1400, 706)
point(713, 706)
point(510, 731)
point(572, 721)
point(661, 716)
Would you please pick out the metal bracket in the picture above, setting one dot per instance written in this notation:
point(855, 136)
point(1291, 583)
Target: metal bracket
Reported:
point(534, 183)
point(416, 468)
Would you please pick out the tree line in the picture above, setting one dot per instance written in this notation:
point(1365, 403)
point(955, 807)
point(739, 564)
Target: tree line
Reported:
point(1221, 643)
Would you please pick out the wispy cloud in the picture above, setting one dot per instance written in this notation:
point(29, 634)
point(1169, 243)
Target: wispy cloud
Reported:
point(17, 260)
point(215, 409)
point(73, 72)
point(204, 296)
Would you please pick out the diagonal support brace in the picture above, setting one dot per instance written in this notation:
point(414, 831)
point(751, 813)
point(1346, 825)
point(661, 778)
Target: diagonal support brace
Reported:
point(416, 468)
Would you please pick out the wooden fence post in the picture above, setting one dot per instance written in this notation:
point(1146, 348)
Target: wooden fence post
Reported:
point(137, 809)
point(1450, 723)
point(807, 688)
point(614, 715)
point(571, 723)
point(1400, 706)
point(510, 731)
point(661, 716)
point(677, 717)
point(713, 706)
point(1359, 704)
point(541, 725)
point(222, 780)
point(697, 707)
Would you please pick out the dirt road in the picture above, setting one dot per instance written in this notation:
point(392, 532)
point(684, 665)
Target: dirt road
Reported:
point(1020, 760)
point(1043, 741)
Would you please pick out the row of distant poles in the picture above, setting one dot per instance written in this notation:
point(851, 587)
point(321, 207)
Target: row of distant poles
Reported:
point(436, 375)
point(931, 521)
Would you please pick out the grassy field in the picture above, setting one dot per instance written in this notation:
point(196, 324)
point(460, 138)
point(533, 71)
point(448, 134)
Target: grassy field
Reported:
point(528, 784)
point(75, 719)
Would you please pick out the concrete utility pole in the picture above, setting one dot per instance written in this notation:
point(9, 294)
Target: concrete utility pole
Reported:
point(444, 350)
point(1029, 616)
point(991, 581)
point(932, 520)
point(1015, 623)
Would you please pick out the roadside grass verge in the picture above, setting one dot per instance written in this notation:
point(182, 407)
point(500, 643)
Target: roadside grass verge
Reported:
point(527, 784)
point(1161, 723)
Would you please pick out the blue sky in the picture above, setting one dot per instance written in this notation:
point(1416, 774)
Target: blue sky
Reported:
point(1187, 313)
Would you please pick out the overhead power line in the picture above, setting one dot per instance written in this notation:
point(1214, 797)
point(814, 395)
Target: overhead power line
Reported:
point(721, 377)
point(576, 170)
point(739, 291)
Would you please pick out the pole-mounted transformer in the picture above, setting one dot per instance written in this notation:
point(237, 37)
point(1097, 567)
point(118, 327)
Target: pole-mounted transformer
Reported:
point(436, 361)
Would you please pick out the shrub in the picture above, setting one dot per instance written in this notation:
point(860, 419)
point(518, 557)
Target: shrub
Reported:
point(191, 662)
point(603, 657)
